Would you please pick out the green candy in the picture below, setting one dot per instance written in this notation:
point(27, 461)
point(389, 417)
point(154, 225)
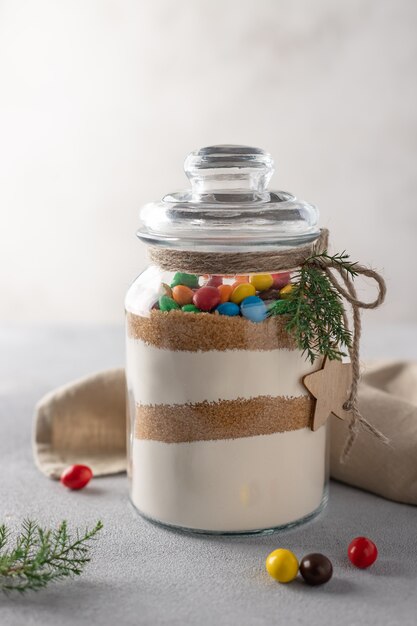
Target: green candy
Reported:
point(191, 308)
point(189, 280)
point(167, 304)
point(280, 307)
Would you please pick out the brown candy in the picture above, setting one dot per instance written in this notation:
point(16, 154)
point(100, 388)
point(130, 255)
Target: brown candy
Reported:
point(316, 569)
point(270, 294)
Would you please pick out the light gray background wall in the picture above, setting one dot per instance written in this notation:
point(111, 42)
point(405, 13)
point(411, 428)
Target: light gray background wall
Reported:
point(100, 101)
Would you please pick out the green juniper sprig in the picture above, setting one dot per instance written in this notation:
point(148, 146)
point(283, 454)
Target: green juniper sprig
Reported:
point(40, 556)
point(315, 308)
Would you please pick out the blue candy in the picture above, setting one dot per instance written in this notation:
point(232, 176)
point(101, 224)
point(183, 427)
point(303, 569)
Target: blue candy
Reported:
point(228, 308)
point(254, 309)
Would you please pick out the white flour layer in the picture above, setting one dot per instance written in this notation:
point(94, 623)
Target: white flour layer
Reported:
point(160, 376)
point(230, 485)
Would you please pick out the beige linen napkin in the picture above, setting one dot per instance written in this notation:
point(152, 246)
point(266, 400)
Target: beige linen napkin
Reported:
point(85, 422)
point(388, 399)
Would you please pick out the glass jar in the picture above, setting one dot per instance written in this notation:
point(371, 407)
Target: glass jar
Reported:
point(219, 422)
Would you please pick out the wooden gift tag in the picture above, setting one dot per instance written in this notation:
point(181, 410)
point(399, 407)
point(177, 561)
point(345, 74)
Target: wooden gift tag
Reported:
point(330, 386)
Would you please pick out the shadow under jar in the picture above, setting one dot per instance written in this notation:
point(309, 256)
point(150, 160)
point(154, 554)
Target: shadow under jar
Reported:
point(219, 421)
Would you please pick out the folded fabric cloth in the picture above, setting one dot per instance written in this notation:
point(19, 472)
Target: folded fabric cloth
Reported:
point(388, 399)
point(85, 422)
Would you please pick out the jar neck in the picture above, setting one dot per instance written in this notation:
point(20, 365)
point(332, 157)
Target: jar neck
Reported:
point(245, 262)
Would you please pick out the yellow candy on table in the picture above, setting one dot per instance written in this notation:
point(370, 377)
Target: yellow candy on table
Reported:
point(286, 291)
point(261, 282)
point(282, 565)
point(242, 291)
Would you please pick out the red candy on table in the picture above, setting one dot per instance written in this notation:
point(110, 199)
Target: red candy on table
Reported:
point(76, 476)
point(362, 552)
point(207, 298)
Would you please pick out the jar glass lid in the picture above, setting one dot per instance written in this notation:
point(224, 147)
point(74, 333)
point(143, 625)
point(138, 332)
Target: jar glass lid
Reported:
point(228, 207)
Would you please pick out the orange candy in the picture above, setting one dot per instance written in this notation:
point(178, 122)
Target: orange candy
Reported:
point(182, 295)
point(239, 280)
point(225, 292)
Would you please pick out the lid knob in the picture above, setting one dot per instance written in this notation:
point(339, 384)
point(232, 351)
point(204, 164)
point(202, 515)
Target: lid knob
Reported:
point(228, 167)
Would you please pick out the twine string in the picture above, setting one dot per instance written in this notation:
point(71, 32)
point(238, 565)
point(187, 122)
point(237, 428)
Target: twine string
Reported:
point(220, 263)
point(350, 295)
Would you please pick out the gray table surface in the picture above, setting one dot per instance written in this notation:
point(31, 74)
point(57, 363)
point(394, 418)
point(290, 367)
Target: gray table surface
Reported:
point(145, 574)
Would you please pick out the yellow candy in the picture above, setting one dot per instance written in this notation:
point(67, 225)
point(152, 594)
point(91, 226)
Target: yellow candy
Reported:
point(242, 291)
point(261, 282)
point(286, 291)
point(282, 565)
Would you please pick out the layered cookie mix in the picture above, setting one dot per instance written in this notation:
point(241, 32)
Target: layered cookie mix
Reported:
point(220, 417)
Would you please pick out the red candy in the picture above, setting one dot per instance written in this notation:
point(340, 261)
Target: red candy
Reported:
point(76, 476)
point(362, 552)
point(280, 280)
point(206, 298)
point(214, 281)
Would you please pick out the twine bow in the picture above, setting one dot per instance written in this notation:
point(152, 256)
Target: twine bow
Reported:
point(350, 295)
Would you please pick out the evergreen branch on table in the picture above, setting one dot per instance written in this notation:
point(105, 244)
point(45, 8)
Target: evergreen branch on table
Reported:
point(315, 309)
point(41, 556)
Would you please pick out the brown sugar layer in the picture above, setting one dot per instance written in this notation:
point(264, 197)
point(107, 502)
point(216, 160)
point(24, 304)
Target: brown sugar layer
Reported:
point(225, 419)
point(176, 330)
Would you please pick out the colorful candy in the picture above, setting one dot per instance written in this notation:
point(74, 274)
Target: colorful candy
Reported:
point(280, 280)
point(189, 280)
point(316, 569)
point(271, 294)
point(166, 290)
point(270, 305)
point(280, 307)
point(238, 280)
point(228, 308)
point(76, 476)
point(182, 294)
point(282, 565)
point(214, 281)
point(362, 552)
point(254, 309)
point(190, 308)
point(206, 298)
point(286, 291)
point(242, 291)
point(225, 292)
point(261, 282)
point(167, 304)
point(256, 294)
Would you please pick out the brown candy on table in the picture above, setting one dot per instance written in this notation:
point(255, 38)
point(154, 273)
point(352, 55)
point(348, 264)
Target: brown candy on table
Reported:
point(316, 569)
